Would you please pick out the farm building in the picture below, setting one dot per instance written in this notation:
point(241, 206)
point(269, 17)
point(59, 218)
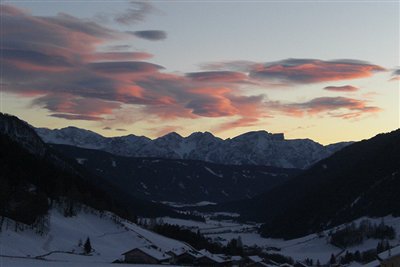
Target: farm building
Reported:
point(146, 255)
point(390, 258)
point(257, 261)
point(184, 257)
point(209, 259)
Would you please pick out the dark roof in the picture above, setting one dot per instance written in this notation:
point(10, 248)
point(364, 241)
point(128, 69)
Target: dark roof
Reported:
point(152, 252)
point(390, 253)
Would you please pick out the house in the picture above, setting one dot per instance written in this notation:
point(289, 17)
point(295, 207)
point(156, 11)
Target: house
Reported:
point(374, 263)
point(237, 260)
point(182, 256)
point(393, 261)
point(259, 264)
point(232, 260)
point(390, 258)
point(271, 262)
point(209, 259)
point(212, 261)
point(146, 255)
point(187, 258)
point(300, 264)
point(256, 261)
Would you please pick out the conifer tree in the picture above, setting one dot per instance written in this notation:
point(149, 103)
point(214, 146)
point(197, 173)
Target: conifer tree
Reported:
point(239, 242)
point(333, 259)
point(87, 247)
point(357, 256)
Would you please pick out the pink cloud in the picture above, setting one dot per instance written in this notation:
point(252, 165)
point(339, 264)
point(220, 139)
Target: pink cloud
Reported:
point(68, 104)
point(238, 123)
point(117, 56)
point(76, 117)
point(395, 75)
point(56, 61)
point(314, 71)
point(344, 88)
point(218, 76)
point(348, 107)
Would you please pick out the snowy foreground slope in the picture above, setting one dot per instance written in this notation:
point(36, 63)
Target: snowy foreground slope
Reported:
point(109, 239)
point(111, 236)
point(16, 262)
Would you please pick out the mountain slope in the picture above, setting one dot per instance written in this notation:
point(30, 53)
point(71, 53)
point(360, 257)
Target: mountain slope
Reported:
point(185, 181)
point(362, 179)
point(110, 236)
point(31, 173)
point(255, 148)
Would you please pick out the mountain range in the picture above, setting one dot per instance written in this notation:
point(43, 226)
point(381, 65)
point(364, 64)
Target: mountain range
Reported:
point(252, 148)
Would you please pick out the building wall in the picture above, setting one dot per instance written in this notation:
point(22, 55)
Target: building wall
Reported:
point(256, 264)
point(391, 262)
point(137, 256)
point(205, 261)
point(185, 259)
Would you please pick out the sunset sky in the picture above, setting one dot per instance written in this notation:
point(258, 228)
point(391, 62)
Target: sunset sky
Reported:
point(325, 70)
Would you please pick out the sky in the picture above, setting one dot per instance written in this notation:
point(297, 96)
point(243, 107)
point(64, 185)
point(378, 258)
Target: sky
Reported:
point(324, 70)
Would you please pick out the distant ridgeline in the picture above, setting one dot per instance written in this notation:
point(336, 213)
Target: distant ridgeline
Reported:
point(252, 148)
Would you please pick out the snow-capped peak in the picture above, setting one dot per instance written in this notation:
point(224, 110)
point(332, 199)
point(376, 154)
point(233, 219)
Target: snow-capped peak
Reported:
point(256, 148)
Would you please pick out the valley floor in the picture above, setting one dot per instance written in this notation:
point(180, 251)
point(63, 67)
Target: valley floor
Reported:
point(312, 246)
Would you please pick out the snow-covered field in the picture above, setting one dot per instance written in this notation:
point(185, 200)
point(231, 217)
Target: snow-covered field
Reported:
point(311, 246)
point(218, 228)
point(108, 239)
point(183, 205)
